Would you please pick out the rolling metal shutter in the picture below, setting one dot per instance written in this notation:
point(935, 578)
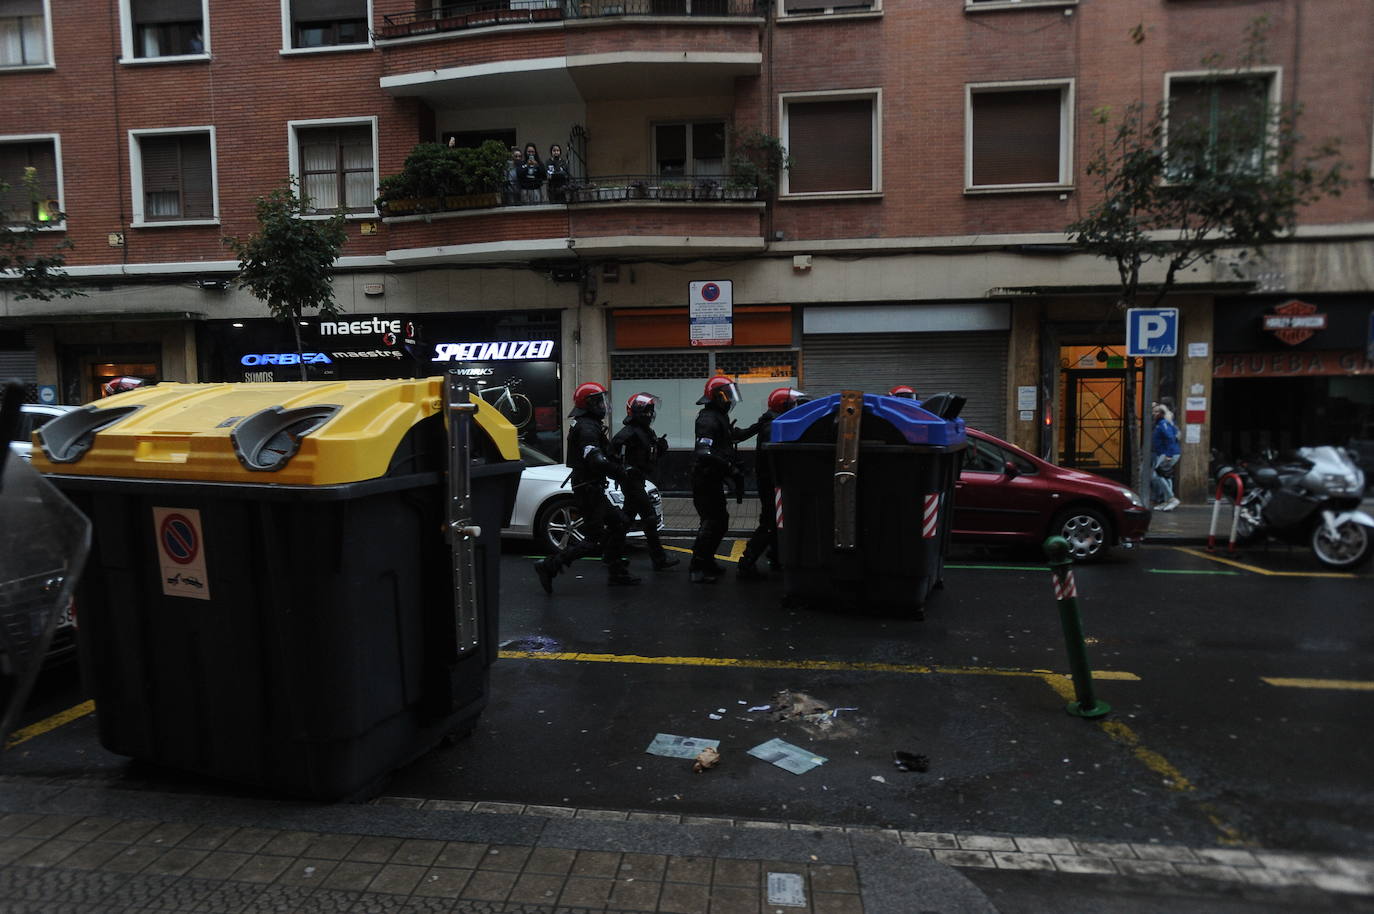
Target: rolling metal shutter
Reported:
point(973, 365)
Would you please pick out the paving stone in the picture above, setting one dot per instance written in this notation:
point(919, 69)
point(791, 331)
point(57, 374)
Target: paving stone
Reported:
point(218, 865)
point(132, 859)
point(536, 888)
point(550, 861)
point(1209, 871)
point(706, 820)
point(403, 802)
point(374, 850)
point(1045, 845)
point(184, 895)
point(1278, 861)
point(814, 829)
point(1265, 877)
point(552, 812)
point(462, 854)
point(449, 805)
point(229, 898)
point(825, 903)
point(489, 885)
point(487, 806)
point(734, 900)
point(964, 858)
point(443, 882)
point(634, 896)
point(91, 856)
point(1146, 867)
point(1076, 864)
point(1006, 860)
point(90, 828)
point(596, 863)
point(329, 901)
point(307, 871)
point(167, 834)
point(331, 847)
point(15, 822)
point(1353, 866)
point(643, 866)
point(177, 861)
point(11, 849)
point(137, 890)
point(1170, 852)
point(288, 843)
point(248, 840)
point(417, 852)
point(736, 872)
point(91, 887)
point(262, 869)
point(986, 843)
point(1341, 882)
point(929, 839)
point(48, 826)
point(586, 891)
point(682, 898)
point(397, 879)
point(50, 852)
point(505, 857)
point(781, 826)
point(1105, 849)
point(689, 869)
point(1229, 856)
point(827, 877)
point(352, 876)
point(209, 837)
point(280, 899)
point(603, 815)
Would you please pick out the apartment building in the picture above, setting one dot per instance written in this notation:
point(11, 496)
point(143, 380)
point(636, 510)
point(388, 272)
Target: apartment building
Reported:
point(918, 236)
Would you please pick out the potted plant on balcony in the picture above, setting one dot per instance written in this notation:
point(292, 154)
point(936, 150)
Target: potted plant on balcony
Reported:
point(437, 177)
point(757, 161)
point(674, 190)
point(612, 192)
point(482, 175)
point(643, 190)
point(707, 189)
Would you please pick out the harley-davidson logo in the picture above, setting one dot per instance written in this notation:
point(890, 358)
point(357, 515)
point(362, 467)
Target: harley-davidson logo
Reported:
point(1295, 322)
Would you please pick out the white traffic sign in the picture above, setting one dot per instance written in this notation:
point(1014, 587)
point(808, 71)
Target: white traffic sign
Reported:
point(1152, 332)
point(711, 312)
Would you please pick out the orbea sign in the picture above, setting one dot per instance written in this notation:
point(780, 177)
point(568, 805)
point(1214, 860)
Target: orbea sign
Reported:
point(506, 350)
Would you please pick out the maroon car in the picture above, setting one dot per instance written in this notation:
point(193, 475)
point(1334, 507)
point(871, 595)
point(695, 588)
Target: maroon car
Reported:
point(1005, 495)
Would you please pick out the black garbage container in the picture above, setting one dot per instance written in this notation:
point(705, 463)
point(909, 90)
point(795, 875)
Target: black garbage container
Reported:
point(269, 597)
point(865, 489)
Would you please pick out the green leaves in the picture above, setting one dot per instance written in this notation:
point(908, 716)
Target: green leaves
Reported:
point(38, 276)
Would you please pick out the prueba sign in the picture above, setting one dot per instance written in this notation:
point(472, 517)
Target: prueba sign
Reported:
point(1291, 364)
point(711, 312)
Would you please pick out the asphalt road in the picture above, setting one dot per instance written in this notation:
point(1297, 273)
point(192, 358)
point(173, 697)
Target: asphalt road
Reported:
point(1241, 704)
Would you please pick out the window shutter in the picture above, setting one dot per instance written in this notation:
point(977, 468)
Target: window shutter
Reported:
point(197, 181)
point(151, 12)
point(833, 145)
point(160, 167)
point(21, 7)
point(802, 6)
point(14, 203)
point(1016, 137)
point(327, 10)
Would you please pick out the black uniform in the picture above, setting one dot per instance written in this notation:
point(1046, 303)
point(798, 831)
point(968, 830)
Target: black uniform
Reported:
point(636, 447)
point(765, 535)
point(714, 461)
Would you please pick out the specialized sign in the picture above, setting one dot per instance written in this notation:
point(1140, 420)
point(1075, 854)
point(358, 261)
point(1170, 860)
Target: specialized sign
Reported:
point(506, 350)
point(1152, 332)
point(181, 553)
point(1294, 322)
point(1291, 364)
point(711, 312)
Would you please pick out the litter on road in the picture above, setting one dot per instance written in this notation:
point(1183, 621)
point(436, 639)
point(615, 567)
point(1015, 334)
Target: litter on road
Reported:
point(706, 758)
point(669, 746)
point(787, 756)
point(909, 761)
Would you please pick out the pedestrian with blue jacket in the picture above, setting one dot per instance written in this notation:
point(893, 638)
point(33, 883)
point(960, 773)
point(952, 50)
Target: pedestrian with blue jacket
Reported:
point(1166, 451)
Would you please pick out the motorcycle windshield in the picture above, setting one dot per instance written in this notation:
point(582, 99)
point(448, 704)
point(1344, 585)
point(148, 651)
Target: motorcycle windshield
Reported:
point(43, 544)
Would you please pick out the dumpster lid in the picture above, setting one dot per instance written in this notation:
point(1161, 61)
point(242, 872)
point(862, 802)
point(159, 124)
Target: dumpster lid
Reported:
point(915, 424)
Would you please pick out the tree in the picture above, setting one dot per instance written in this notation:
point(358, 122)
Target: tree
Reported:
point(289, 261)
point(1225, 173)
point(38, 276)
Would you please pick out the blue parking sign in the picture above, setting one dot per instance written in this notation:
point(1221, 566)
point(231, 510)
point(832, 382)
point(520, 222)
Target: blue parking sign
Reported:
point(1152, 332)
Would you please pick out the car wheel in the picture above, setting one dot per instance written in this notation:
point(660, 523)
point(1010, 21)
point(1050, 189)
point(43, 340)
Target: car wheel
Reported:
point(1089, 533)
point(559, 524)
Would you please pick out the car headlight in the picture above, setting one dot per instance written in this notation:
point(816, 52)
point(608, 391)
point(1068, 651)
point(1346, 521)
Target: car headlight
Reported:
point(1131, 497)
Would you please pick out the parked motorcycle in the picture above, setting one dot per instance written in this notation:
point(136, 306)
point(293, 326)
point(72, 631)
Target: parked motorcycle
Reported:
point(1309, 498)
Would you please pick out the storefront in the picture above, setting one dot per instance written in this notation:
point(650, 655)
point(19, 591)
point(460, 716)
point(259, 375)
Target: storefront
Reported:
point(511, 357)
point(1292, 372)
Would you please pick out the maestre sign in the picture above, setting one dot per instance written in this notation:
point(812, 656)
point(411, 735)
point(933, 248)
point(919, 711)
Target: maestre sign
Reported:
point(1291, 364)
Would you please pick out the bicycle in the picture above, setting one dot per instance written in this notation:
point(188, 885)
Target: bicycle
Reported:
point(516, 407)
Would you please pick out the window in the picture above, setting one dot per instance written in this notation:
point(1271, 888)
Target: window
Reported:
point(687, 150)
point(820, 7)
point(24, 33)
point(1019, 135)
point(1220, 122)
point(335, 160)
point(164, 28)
point(836, 140)
point(328, 23)
point(174, 175)
point(986, 457)
point(17, 155)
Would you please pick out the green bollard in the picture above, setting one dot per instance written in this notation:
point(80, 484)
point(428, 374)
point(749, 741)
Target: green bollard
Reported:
point(1066, 593)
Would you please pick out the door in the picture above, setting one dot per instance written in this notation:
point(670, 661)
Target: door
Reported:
point(1093, 434)
point(996, 504)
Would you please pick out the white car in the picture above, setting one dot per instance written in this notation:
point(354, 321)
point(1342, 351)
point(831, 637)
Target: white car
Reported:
point(545, 509)
point(33, 415)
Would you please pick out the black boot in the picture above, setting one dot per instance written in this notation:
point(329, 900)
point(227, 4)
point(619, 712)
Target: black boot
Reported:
point(665, 561)
point(547, 569)
point(620, 575)
point(703, 575)
point(748, 571)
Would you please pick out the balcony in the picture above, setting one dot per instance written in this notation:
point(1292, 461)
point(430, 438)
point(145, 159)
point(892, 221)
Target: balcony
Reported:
point(487, 13)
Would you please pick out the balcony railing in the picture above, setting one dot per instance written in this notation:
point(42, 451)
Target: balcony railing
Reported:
point(483, 13)
point(600, 189)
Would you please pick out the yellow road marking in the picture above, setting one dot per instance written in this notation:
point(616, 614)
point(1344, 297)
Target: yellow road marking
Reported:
point(1265, 571)
point(1348, 685)
point(52, 723)
point(817, 665)
point(736, 551)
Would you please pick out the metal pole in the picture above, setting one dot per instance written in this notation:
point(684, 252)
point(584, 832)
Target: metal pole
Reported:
point(1066, 593)
point(1147, 432)
point(462, 533)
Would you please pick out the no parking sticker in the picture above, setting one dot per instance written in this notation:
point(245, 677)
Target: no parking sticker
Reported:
point(181, 553)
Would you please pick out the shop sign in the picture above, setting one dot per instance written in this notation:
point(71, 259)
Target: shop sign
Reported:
point(1291, 364)
point(504, 351)
point(359, 328)
point(1294, 322)
point(286, 358)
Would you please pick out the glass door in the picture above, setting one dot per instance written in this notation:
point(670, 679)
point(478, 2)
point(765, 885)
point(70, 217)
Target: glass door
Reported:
point(1093, 434)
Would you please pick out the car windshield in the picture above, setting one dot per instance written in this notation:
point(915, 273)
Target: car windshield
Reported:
point(535, 458)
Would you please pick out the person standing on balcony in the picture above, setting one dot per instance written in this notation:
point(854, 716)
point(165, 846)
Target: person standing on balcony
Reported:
point(639, 449)
point(513, 167)
point(532, 176)
point(557, 169)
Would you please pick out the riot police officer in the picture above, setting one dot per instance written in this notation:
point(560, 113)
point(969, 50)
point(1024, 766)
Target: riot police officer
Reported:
point(714, 462)
point(765, 537)
point(637, 448)
point(603, 525)
point(905, 391)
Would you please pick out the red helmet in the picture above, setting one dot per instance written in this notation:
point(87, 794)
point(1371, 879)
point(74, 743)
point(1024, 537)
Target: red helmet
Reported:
point(641, 404)
point(722, 390)
point(119, 385)
point(905, 391)
point(586, 394)
point(784, 398)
